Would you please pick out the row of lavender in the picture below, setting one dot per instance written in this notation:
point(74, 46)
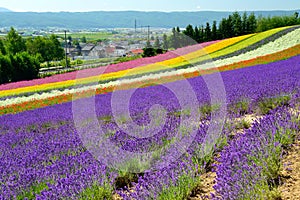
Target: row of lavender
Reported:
point(45, 158)
point(249, 166)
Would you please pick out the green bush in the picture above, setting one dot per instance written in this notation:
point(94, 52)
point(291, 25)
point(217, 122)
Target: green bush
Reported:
point(96, 191)
point(5, 69)
point(24, 66)
point(21, 66)
point(125, 59)
point(148, 52)
point(268, 104)
point(63, 62)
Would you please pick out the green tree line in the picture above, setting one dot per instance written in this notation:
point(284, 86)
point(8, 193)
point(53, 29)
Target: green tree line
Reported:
point(20, 58)
point(231, 26)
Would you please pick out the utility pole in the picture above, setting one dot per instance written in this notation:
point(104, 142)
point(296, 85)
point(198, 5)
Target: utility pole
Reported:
point(148, 31)
point(66, 46)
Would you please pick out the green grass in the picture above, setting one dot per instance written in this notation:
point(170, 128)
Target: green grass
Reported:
point(242, 107)
point(33, 191)
point(90, 36)
point(96, 192)
point(181, 189)
point(268, 104)
point(126, 59)
point(207, 109)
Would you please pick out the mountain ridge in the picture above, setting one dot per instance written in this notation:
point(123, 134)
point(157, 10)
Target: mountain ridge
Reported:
point(117, 19)
point(2, 9)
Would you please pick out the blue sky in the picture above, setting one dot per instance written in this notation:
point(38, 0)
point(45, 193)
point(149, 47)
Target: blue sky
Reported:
point(148, 5)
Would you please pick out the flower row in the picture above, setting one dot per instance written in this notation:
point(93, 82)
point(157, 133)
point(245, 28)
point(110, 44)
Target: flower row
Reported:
point(165, 65)
point(109, 68)
point(249, 165)
point(18, 103)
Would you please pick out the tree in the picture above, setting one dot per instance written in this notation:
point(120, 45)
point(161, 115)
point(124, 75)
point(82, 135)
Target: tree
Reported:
point(222, 28)
point(196, 34)
point(201, 34)
point(252, 23)
point(37, 46)
point(148, 52)
point(2, 47)
point(214, 33)
point(191, 36)
point(165, 42)
point(148, 44)
point(229, 27)
point(189, 31)
point(207, 32)
point(49, 48)
point(83, 39)
point(70, 38)
point(24, 66)
point(244, 23)
point(5, 69)
point(174, 38)
point(237, 24)
point(76, 43)
point(296, 14)
point(15, 42)
point(56, 51)
point(157, 44)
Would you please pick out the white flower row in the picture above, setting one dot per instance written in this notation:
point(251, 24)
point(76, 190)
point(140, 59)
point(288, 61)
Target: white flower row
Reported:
point(289, 40)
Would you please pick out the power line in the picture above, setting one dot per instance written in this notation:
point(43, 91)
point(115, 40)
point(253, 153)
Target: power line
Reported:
point(135, 26)
point(148, 31)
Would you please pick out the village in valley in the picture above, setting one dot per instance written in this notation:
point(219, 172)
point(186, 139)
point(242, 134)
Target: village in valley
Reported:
point(100, 43)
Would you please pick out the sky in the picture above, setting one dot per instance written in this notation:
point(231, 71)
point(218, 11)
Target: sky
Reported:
point(147, 5)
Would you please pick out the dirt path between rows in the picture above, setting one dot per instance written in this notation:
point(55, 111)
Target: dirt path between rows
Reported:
point(290, 189)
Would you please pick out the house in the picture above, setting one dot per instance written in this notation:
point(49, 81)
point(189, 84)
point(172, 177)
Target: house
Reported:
point(73, 52)
point(91, 51)
point(120, 51)
point(97, 52)
point(110, 51)
point(136, 52)
point(87, 49)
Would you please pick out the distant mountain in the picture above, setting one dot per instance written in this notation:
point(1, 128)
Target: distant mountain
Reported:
point(115, 19)
point(4, 10)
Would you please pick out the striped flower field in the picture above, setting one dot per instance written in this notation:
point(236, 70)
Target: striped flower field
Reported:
point(75, 136)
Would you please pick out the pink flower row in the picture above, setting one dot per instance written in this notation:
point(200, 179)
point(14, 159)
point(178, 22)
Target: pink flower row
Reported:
point(109, 68)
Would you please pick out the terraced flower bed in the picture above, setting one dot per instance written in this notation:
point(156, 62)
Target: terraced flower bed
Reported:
point(88, 142)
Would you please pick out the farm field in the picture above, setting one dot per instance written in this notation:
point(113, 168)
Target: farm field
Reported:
point(90, 36)
point(152, 128)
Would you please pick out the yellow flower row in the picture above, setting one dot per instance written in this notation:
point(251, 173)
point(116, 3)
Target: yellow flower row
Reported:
point(202, 53)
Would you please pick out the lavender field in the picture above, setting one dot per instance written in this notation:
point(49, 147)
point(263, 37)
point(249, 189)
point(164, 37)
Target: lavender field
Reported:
point(155, 133)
